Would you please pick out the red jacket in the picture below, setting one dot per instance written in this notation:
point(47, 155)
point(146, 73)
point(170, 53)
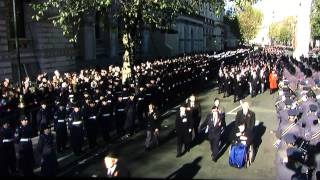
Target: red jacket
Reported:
point(273, 80)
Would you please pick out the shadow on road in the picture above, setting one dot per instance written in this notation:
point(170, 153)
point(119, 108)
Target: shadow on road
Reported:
point(187, 171)
point(259, 132)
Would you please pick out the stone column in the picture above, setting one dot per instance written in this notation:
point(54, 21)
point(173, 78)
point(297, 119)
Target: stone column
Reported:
point(88, 38)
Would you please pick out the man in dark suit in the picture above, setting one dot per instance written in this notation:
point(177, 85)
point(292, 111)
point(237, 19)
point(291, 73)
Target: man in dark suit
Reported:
point(184, 126)
point(194, 108)
point(213, 125)
point(115, 168)
point(247, 117)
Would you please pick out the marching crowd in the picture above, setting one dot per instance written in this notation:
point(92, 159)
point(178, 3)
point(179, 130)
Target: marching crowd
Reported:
point(90, 103)
point(298, 133)
point(94, 102)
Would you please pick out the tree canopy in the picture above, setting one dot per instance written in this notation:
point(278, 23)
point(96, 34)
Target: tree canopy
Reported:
point(250, 20)
point(315, 19)
point(130, 15)
point(282, 32)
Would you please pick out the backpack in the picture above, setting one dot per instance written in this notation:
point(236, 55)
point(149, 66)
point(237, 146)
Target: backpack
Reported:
point(238, 155)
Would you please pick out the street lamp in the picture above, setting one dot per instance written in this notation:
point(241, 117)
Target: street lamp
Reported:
point(21, 105)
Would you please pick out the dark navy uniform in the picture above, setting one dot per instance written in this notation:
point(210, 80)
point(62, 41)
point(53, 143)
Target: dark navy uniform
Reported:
point(7, 150)
point(43, 118)
point(131, 115)
point(90, 117)
point(46, 148)
point(105, 118)
point(120, 116)
point(153, 124)
point(76, 131)
point(141, 107)
point(60, 124)
point(26, 158)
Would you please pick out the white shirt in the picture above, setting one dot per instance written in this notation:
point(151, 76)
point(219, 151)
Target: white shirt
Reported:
point(111, 170)
point(214, 119)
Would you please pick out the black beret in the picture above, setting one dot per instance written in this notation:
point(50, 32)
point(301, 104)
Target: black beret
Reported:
point(293, 112)
point(23, 117)
point(290, 138)
point(285, 89)
point(306, 88)
point(287, 94)
point(288, 102)
point(286, 82)
point(313, 108)
point(46, 126)
point(303, 83)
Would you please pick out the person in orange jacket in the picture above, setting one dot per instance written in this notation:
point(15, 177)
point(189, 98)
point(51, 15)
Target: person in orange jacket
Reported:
point(273, 80)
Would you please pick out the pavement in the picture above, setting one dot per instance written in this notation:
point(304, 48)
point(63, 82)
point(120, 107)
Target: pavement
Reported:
point(161, 162)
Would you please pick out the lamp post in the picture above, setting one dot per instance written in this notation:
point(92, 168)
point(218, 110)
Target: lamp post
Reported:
point(21, 105)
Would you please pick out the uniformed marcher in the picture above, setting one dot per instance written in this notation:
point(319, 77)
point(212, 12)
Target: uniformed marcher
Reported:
point(105, 118)
point(120, 116)
point(184, 126)
point(7, 150)
point(43, 116)
point(290, 126)
point(153, 127)
point(90, 117)
point(47, 151)
point(60, 123)
point(284, 164)
point(76, 130)
point(25, 150)
point(141, 107)
point(314, 139)
point(130, 115)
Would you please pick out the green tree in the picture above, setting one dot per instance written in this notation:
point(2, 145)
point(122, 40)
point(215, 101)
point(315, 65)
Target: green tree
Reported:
point(282, 32)
point(315, 19)
point(274, 32)
point(132, 14)
point(250, 20)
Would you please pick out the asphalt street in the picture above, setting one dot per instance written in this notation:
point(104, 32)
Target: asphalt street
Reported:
point(161, 162)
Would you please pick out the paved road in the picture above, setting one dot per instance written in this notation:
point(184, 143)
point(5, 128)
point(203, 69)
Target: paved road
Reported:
point(162, 163)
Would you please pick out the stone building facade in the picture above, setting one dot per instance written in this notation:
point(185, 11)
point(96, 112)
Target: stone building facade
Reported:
point(43, 48)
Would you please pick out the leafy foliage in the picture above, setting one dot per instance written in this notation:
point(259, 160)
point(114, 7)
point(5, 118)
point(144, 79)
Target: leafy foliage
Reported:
point(250, 20)
point(131, 15)
point(282, 32)
point(315, 19)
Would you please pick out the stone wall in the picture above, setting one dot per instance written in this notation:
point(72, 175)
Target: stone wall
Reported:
point(52, 50)
point(43, 49)
point(5, 64)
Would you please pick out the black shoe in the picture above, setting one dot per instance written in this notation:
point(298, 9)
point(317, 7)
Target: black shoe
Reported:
point(179, 155)
point(147, 149)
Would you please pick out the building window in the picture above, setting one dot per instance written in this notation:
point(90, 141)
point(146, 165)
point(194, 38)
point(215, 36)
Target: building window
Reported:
point(20, 19)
